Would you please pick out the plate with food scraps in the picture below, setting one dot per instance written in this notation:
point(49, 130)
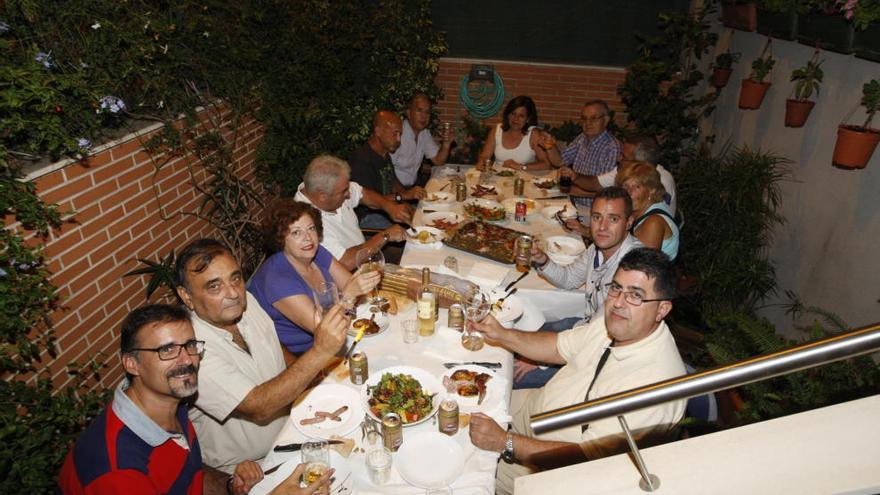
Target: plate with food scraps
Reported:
point(326, 410)
point(511, 308)
point(565, 211)
point(364, 316)
point(439, 197)
point(510, 205)
point(563, 250)
point(411, 392)
point(480, 190)
point(443, 220)
point(342, 481)
point(464, 384)
point(430, 459)
point(425, 237)
point(485, 209)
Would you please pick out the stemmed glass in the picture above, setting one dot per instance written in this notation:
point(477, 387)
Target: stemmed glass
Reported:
point(476, 307)
point(371, 260)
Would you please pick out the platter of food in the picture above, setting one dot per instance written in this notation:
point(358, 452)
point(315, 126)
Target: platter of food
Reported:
point(430, 459)
point(439, 197)
point(326, 410)
point(474, 387)
point(412, 393)
point(443, 220)
point(364, 317)
point(485, 209)
point(486, 240)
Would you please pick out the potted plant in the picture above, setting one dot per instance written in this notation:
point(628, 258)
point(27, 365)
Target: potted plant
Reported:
point(778, 18)
point(754, 88)
point(806, 79)
point(739, 15)
point(865, 18)
point(855, 144)
point(722, 68)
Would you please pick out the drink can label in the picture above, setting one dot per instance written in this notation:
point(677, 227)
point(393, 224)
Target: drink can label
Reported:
point(521, 211)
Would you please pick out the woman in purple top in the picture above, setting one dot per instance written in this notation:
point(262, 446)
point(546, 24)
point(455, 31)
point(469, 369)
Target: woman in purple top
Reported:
point(283, 284)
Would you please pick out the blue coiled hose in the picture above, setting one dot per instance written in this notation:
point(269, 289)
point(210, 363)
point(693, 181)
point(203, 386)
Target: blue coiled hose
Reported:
point(480, 101)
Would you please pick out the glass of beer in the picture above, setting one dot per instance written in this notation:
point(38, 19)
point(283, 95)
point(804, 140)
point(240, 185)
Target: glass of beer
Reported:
point(476, 308)
point(371, 260)
point(316, 457)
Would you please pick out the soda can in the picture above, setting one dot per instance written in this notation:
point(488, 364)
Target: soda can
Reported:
point(520, 212)
point(392, 432)
point(448, 415)
point(359, 370)
point(519, 185)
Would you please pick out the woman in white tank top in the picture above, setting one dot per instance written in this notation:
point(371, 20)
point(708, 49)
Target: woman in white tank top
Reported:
point(512, 142)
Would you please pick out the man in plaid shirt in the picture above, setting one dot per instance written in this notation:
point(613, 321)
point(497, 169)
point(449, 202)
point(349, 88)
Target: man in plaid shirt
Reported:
point(594, 152)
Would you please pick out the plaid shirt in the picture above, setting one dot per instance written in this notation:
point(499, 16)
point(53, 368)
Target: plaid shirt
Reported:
point(591, 157)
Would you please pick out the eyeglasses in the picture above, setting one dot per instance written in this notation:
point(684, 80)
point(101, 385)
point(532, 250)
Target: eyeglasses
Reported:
point(168, 352)
point(594, 118)
point(633, 298)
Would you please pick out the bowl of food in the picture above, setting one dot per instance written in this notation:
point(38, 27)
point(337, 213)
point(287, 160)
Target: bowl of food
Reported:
point(485, 209)
point(510, 205)
point(563, 250)
point(410, 392)
point(439, 197)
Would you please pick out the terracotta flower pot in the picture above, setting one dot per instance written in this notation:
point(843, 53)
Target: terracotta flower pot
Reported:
point(720, 77)
point(752, 94)
point(854, 146)
point(797, 111)
point(740, 16)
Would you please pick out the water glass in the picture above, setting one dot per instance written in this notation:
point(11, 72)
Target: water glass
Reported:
point(316, 457)
point(476, 308)
point(378, 463)
point(325, 296)
point(410, 331)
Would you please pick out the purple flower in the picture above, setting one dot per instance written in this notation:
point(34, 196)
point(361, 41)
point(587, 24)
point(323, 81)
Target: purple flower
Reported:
point(112, 104)
point(84, 143)
point(45, 59)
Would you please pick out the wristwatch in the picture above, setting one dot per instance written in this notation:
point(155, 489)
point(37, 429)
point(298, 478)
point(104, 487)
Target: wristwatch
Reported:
point(507, 453)
point(524, 168)
point(398, 197)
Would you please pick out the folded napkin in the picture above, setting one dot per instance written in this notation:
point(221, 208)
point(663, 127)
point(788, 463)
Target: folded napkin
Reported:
point(486, 275)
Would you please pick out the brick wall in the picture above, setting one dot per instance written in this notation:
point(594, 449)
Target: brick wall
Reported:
point(558, 90)
point(114, 194)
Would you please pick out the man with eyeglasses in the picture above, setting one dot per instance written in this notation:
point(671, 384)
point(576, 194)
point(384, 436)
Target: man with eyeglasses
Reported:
point(629, 347)
point(610, 220)
point(248, 381)
point(143, 442)
point(594, 152)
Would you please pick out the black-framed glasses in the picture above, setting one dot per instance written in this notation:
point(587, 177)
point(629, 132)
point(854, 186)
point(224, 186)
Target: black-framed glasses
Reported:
point(168, 352)
point(633, 298)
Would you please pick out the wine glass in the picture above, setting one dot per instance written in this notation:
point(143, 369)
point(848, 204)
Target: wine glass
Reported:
point(476, 308)
point(371, 260)
point(325, 295)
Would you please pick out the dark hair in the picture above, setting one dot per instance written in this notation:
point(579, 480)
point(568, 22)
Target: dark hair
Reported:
point(282, 213)
point(203, 250)
point(143, 316)
point(656, 265)
point(520, 101)
point(616, 192)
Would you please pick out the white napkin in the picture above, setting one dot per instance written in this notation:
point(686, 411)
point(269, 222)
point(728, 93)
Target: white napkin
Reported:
point(485, 274)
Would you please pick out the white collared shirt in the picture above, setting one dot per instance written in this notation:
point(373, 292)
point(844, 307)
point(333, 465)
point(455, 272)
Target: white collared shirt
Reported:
point(408, 157)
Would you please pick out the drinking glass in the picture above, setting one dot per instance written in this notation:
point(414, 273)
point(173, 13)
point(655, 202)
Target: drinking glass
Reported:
point(371, 260)
point(378, 463)
point(476, 308)
point(316, 457)
point(410, 331)
point(325, 296)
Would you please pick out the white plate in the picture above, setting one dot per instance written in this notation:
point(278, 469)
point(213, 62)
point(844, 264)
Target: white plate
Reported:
point(511, 309)
point(328, 397)
point(435, 237)
point(363, 311)
point(568, 211)
point(430, 459)
point(566, 246)
point(490, 204)
point(429, 383)
point(510, 205)
point(494, 390)
point(553, 191)
point(438, 197)
point(343, 482)
point(448, 216)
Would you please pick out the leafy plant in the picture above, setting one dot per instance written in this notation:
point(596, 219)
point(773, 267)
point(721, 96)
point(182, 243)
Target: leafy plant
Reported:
point(807, 79)
point(567, 131)
point(161, 274)
point(761, 67)
point(862, 13)
point(725, 60)
point(659, 86)
point(870, 100)
point(784, 6)
point(474, 137)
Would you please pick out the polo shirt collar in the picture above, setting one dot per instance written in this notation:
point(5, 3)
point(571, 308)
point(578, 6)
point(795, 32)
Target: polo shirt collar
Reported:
point(135, 419)
point(637, 349)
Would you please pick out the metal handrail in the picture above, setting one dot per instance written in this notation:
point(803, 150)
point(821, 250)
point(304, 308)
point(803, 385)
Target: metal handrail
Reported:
point(864, 340)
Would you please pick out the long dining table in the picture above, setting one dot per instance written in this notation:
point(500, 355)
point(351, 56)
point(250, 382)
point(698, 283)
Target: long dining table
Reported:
point(474, 472)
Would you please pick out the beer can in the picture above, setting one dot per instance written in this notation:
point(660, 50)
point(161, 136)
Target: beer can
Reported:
point(460, 191)
point(523, 255)
point(455, 319)
point(359, 370)
point(520, 212)
point(392, 432)
point(448, 415)
point(519, 185)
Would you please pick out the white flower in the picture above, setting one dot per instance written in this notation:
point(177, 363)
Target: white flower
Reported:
point(205, 34)
point(96, 25)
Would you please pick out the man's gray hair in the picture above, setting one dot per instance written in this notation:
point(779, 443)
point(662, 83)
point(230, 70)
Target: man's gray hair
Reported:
point(323, 174)
point(645, 149)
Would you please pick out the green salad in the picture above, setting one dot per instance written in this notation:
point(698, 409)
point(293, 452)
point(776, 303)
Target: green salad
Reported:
point(401, 394)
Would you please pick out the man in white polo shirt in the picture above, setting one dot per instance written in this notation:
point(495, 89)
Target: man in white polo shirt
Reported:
point(327, 186)
point(416, 142)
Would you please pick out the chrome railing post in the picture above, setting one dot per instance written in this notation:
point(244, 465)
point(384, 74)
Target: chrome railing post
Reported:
point(649, 482)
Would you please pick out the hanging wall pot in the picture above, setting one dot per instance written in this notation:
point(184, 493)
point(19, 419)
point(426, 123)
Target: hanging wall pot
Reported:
point(797, 111)
point(752, 94)
point(854, 146)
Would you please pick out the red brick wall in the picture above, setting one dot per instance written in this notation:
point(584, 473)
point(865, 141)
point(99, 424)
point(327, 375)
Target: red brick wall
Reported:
point(117, 221)
point(558, 90)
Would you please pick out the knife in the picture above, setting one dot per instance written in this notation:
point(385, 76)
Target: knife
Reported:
point(293, 447)
point(484, 364)
point(563, 196)
point(515, 281)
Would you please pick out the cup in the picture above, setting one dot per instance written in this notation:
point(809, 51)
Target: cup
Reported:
point(325, 296)
point(410, 331)
point(378, 463)
point(316, 457)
